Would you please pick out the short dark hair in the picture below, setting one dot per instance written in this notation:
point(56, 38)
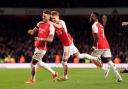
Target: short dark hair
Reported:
point(96, 14)
point(47, 12)
point(55, 13)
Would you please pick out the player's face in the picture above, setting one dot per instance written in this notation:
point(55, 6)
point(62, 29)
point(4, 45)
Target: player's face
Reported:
point(55, 18)
point(45, 17)
point(92, 17)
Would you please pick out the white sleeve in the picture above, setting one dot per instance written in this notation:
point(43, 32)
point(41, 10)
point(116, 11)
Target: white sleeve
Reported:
point(39, 23)
point(64, 26)
point(94, 29)
point(52, 30)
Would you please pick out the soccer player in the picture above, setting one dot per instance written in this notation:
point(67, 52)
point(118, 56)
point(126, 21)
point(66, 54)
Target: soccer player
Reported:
point(45, 33)
point(68, 45)
point(100, 45)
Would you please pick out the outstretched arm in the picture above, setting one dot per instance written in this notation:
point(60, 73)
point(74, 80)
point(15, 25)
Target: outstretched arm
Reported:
point(32, 31)
point(124, 23)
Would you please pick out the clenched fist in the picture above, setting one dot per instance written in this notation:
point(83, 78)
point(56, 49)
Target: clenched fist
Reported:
point(31, 32)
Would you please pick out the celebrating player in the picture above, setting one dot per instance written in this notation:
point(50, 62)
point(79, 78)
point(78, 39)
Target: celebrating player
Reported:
point(100, 45)
point(45, 33)
point(68, 45)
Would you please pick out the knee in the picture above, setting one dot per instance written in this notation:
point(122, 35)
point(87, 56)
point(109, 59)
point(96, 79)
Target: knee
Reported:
point(34, 62)
point(33, 65)
point(63, 62)
point(77, 55)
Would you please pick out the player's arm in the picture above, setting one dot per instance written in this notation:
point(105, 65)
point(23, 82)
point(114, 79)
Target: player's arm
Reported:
point(32, 31)
point(59, 25)
point(95, 36)
point(49, 39)
point(95, 39)
point(124, 23)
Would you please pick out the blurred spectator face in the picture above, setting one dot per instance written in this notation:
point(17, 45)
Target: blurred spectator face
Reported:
point(55, 18)
point(45, 17)
point(104, 20)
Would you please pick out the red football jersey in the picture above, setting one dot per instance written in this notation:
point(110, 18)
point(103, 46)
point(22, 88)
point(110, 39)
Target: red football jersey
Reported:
point(102, 41)
point(63, 35)
point(43, 32)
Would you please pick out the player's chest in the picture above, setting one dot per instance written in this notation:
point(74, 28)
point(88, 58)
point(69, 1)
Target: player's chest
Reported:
point(43, 29)
point(99, 27)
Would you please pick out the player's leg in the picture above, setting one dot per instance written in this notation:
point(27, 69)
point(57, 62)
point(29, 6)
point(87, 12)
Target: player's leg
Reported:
point(33, 68)
point(48, 68)
point(112, 65)
point(37, 58)
point(44, 65)
point(33, 72)
point(75, 52)
point(124, 70)
point(65, 58)
point(107, 54)
point(94, 59)
point(105, 67)
point(99, 53)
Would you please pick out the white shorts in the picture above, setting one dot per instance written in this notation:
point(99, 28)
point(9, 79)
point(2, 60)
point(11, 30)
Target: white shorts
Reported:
point(38, 54)
point(69, 50)
point(106, 53)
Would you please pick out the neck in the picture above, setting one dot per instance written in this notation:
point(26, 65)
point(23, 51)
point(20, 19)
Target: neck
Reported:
point(47, 21)
point(95, 21)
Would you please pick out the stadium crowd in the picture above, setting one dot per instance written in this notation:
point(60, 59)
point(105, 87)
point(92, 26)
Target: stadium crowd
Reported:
point(17, 46)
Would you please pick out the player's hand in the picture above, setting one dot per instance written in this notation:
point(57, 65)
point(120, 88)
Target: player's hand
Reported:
point(37, 38)
point(93, 48)
point(124, 23)
point(31, 32)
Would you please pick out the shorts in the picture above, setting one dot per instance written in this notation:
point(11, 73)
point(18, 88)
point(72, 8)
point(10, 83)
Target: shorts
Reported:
point(38, 54)
point(69, 50)
point(105, 53)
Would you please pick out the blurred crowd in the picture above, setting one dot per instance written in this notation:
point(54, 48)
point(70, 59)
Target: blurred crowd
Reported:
point(16, 46)
point(62, 3)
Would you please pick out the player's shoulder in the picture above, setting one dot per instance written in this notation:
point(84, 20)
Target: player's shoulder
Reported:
point(40, 22)
point(62, 21)
point(95, 24)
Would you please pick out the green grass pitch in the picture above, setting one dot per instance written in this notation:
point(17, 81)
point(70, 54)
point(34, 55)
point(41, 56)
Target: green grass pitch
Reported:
point(78, 79)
